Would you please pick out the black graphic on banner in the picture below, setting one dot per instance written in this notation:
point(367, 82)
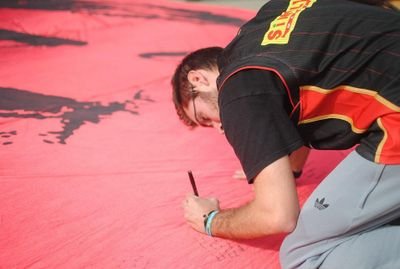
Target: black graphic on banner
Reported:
point(37, 40)
point(16, 103)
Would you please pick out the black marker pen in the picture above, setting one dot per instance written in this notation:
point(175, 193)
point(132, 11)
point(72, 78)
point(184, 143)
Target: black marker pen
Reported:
point(193, 183)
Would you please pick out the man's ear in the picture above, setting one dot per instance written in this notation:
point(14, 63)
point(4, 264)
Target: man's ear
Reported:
point(197, 77)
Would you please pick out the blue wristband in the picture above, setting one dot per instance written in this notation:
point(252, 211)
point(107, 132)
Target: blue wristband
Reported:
point(205, 216)
point(209, 221)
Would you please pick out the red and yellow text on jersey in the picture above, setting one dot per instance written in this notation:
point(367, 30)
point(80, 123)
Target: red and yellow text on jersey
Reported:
point(282, 26)
point(360, 108)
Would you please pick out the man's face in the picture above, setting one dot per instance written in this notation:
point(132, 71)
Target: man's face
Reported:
point(203, 109)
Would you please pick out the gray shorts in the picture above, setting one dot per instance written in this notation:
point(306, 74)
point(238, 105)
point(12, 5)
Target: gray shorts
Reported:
point(344, 223)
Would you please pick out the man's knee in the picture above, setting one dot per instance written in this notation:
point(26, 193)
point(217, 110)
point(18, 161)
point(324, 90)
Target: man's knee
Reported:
point(378, 248)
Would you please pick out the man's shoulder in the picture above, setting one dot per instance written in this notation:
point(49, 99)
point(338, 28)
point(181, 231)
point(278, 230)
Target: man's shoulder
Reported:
point(250, 82)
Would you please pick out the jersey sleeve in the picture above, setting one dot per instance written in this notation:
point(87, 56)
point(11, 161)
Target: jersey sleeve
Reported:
point(255, 112)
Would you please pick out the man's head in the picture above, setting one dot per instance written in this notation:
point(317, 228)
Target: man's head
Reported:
point(195, 93)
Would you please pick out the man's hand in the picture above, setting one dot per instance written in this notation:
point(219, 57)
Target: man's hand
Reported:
point(196, 209)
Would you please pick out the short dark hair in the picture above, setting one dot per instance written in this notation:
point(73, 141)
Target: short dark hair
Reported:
point(205, 58)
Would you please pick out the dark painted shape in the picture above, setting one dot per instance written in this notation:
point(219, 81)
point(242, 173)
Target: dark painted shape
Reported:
point(149, 55)
point(16, 103)
point(175, 14)
point(139, 96)
point(37, 40)
point(7, 135)
point(56, 5)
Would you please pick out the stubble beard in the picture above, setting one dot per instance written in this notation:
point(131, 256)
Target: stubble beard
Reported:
point(211, 98)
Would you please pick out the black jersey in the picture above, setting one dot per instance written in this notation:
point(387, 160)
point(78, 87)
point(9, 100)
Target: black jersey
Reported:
point(339, 64)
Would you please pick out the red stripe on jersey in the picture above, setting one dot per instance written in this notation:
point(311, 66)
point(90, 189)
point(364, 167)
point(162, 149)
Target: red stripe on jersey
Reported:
point(389, 150)
point(360, 108)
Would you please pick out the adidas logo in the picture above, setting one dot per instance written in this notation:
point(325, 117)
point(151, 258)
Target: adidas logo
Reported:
point(320, 204)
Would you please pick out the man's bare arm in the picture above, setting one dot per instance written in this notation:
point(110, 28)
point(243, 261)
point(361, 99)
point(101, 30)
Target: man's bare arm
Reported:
point(273, 210)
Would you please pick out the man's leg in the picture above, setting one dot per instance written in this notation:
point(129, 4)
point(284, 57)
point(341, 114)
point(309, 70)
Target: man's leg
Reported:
point(379, 248)
point(359, 196)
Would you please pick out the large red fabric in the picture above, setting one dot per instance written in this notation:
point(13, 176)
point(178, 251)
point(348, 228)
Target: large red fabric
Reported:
point(93, 157)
